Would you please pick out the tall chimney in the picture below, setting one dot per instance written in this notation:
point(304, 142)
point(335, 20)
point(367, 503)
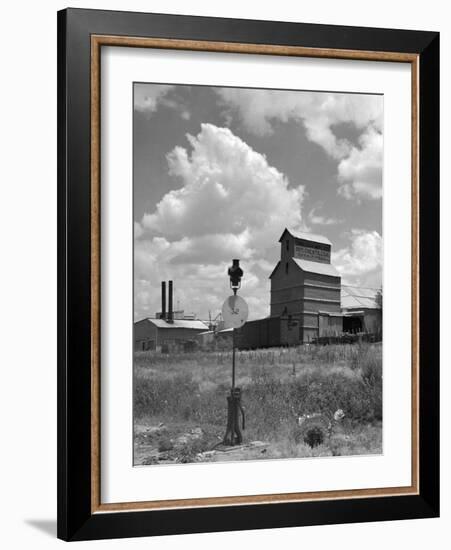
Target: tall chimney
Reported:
point(163, 300)
point(170, 310)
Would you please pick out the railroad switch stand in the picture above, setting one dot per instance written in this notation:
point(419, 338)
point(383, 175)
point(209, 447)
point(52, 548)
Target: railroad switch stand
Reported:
point(233, 435)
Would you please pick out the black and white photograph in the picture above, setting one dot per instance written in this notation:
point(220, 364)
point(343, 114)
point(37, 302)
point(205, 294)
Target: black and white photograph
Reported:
point(225, 285)
point(257, 273)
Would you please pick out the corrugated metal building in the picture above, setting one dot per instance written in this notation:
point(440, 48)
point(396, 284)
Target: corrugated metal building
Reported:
point(167, 333)
point(161, 334)
point(362, 309)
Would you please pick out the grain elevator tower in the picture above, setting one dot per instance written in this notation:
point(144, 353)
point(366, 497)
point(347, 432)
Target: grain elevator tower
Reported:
point(305, 288)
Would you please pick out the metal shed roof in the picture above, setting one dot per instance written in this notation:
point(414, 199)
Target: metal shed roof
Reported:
point(307, 236)
point(179, 323)
point(316, 267)
point(354, 297)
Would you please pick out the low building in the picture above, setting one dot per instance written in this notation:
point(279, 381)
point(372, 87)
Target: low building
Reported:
point(164, 335)
point(262, 333)
point(224, 338)
point(169, 331)
point(362, 309)
point(216, 339)
point(206, 339)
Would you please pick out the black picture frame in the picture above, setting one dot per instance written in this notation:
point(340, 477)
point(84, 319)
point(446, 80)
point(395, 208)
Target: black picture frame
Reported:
point(76, 520)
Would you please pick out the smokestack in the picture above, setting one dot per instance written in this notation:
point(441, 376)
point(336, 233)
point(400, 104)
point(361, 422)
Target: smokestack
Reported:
point(170, 310)
point(163, 300)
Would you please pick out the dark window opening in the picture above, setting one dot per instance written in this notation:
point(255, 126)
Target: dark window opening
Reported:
point(286, 268)
point(352, 324)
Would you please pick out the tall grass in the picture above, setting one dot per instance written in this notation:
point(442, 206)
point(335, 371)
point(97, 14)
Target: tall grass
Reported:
point(330, 355)
point(277, 385)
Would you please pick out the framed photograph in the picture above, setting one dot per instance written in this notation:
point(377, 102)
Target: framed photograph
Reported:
point(248, 274)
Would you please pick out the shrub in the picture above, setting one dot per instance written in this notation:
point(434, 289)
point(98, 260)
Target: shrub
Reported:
point(165, 444)
point(312, 431)
point(371, 373)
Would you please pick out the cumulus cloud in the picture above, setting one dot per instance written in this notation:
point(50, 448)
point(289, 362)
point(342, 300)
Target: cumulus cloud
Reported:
point(361, 261)
point(231, 203)
point(359, 171)
point(227, 188)
point(200, 287)
point(138, 230)
point(148, 97)
point(316, 218)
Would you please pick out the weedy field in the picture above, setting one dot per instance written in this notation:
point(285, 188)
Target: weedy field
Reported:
point(180, 404)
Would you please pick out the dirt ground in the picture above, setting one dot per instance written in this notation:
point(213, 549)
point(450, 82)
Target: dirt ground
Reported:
point(159, 444)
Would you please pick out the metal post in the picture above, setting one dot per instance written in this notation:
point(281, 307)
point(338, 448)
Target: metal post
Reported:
point(233, 359)
point(233, 435)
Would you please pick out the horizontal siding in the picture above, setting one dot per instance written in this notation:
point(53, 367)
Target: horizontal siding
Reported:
point(315, 306)
point(302, 300)
point(281, 279)
point(310, 319)
point(322, 293)
point(286, 308)
point(323, 285)
point(316, 278)
point(168, 334)
point(287, 294)
point(277, 310)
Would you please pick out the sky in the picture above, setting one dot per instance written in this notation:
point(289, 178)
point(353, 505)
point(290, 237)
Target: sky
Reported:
point(220, 172)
